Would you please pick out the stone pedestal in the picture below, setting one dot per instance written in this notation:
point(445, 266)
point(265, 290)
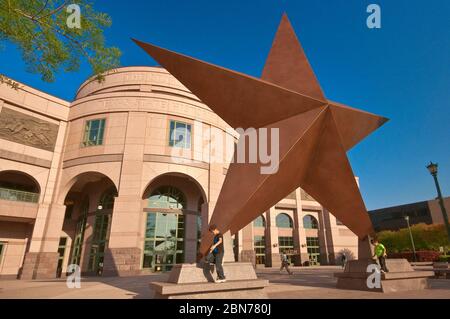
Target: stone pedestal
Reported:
point(122, 262)
point(39, 266)
point(401, 276)
point(196, 281)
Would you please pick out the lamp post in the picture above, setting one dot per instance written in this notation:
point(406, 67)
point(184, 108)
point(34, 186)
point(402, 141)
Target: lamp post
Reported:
point(433, 168)
point(411, 237)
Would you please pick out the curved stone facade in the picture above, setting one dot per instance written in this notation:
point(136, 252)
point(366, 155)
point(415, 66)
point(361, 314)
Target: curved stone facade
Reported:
point(114, 142)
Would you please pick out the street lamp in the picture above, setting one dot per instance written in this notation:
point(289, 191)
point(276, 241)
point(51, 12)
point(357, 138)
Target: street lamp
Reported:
point(411, 237)
point(433, 168)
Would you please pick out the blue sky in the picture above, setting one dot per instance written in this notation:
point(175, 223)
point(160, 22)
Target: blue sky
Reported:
point(401, 71)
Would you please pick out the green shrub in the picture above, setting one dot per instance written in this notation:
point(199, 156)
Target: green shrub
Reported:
point(426, 237)
point(444, 258)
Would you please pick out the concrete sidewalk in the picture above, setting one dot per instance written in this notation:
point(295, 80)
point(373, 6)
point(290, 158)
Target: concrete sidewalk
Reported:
point(306, 283)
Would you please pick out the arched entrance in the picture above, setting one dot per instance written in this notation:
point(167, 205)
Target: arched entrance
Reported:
point(89, 206)
point(173, 218)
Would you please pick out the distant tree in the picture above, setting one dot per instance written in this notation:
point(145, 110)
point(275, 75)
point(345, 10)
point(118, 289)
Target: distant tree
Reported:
point(50, 38)
point(348, 254)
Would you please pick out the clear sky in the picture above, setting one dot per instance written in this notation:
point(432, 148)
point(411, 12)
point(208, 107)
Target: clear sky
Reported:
point(401, 71)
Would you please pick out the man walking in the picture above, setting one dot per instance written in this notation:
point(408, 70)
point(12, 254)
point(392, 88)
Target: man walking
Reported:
point(285, 263)
point(343, 260)
point(380, 254)
point(217, 251)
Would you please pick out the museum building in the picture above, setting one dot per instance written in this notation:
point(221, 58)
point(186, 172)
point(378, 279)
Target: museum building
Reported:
point(95, 182)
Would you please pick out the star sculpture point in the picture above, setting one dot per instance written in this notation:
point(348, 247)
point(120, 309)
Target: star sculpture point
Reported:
point(314, 133)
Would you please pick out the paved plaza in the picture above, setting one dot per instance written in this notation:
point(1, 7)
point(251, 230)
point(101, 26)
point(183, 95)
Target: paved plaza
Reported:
point(306, 283)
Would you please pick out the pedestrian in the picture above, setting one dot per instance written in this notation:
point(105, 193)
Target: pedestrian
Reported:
point(217, 250)
point(380, 254)
point(285, 263)
point(343, 260)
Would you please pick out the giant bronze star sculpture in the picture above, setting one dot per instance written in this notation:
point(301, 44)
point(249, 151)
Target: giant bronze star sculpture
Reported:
point(314, 133)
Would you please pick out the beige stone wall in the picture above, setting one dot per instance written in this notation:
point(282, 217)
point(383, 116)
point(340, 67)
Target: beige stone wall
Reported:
point(36, 116)
point(15, 237)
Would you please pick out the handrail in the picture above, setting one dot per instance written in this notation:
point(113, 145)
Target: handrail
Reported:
point(18, 196)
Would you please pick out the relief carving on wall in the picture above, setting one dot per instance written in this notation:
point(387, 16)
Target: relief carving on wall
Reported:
point(28, 130)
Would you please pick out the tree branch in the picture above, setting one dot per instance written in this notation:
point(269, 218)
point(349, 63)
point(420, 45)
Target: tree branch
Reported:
point(61, 32)
point(55, 10)
point(42, 9)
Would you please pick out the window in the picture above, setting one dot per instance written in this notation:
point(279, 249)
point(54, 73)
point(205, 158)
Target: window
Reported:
point(286, 242)
point(180, 134)
point(260, 249)
point(107, 199)
point(283, 221)
point(286, 245)
point(164, 241)
point(167, 197)
point(310, 222)
point(93, 132)
point(259, 222)
point(313, 247)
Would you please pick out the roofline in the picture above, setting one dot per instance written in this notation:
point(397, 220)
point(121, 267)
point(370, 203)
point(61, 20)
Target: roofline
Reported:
point(92, 78)
point(32, 90)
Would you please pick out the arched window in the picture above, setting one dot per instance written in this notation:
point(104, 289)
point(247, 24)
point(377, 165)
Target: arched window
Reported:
point(107, 199)
point(310, 222)
point(18, 186)
point(284, 221)
point(167, 197)
point(259, 222)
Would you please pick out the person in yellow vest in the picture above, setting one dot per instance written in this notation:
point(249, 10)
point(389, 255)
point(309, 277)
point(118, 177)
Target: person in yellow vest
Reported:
point(380, 254)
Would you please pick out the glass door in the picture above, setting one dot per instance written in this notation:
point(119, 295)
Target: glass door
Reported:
point(164, 241)
point(79, 234)
point(99, 243)
point(313, 248)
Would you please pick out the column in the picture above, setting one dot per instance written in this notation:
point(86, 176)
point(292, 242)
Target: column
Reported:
point(327, 235)
point(322, 234)
point(303, 249)
point(123, 256)
point(248, 252)
point(190, 238)
point(41, 260)
point(296, 235)
point(273, 252)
